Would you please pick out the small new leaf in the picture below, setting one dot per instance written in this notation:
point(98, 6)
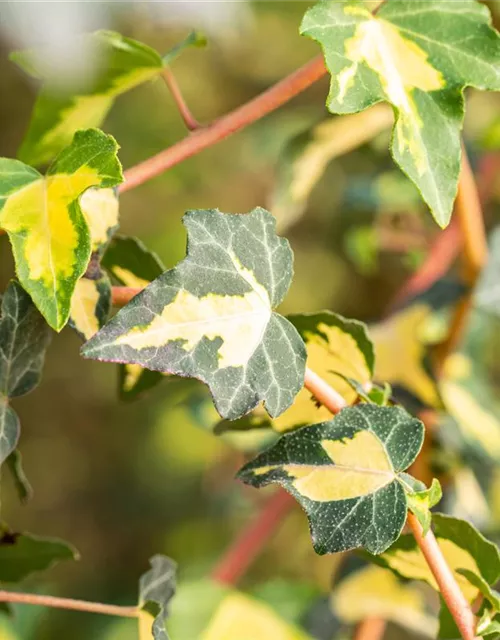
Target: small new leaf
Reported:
point(156, 588)
point(212, 318)
point(123, 64)
point(47, 229)
point(421, 500)
point(24, 338)
point(419, 57)
point(22, 554)
point(346, 475)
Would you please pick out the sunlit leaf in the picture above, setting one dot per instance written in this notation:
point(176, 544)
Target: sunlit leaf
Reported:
point(418, 56)
point(400, 353)
point(24, 338)
point(373, 592)
point(90, 305)
point(58, 113)
point(346, 475)
point(156, 589)
point(133, 265)
point(212, 317)
point(46, 226)
point(22, 554)
point(421, 499)
point(465, 549)
point(305, 158)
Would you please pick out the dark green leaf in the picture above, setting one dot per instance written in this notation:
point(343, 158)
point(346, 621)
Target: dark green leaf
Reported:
point(22, 554)
point(21, 482)
point(345, 474)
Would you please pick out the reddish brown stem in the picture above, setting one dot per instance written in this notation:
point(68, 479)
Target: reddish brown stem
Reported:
point(248, 545)
point(370, 629)
point(67, 603)
point(260, 106)
point(323, 392)
point(121, 296)
point(455, 600)
point(189, 120)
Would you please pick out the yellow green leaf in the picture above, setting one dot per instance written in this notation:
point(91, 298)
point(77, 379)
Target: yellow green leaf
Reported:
point(46, 226)
point(101, 210)
point(90, 305)
point(375, 592)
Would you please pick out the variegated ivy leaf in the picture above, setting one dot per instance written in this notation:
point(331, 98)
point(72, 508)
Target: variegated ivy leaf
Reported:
point(346, 475)
point(337, 348)
point(418, 56)
point(101, 210)
point(473, 559)
point(156, 589)
point(132, 264)
point(218, 612)
point(22, 554)
point(24, 338)
point(306, 156)
point(45, 223)
point(123, 63)
point(374, 592)
point(212, 317)
point(90, 305)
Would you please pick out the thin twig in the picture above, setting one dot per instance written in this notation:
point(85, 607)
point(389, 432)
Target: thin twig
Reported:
point(254, 537)
point(455, 600)
point(234, 121)
point(68, 603)
point(370, 629)
point(189, 120)
point(323, 392)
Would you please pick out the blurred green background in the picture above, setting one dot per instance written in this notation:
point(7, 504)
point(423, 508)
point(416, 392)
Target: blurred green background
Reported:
point(124, 481)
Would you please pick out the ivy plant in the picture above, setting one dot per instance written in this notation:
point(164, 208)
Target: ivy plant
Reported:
point(354, 418)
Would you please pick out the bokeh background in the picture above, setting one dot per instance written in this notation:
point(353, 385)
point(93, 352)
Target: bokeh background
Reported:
point(122, 481)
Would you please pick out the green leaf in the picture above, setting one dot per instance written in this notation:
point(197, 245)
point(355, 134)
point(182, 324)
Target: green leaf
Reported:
point(21, 482)
point(58, 113)
point(90, 305)
point(101, 210)
point(463, 547)
point(306, 156)
point(156, 589)
point(24, 338)
point(46, 226)
point(419, 57)
point(345, 474)
point(22, 554)
point(212, 317)
point(421, 500)
point(375, 592)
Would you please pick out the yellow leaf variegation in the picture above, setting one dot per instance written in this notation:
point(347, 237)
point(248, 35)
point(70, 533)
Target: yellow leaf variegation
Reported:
point(90, 305)
point(46, 226)
point(101, 210)
point(418, 56)
point(347, 475)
